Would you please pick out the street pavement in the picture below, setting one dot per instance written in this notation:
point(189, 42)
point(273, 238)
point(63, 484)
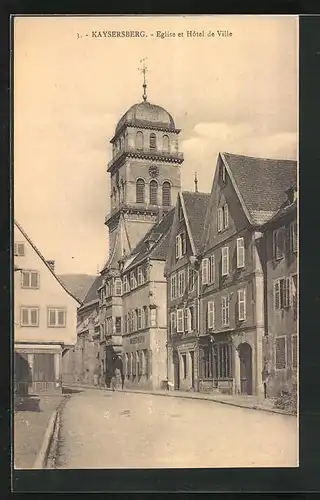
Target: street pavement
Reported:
point(103, 429)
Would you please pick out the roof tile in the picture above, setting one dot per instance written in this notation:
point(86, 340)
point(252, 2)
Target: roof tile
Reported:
point(262, 182)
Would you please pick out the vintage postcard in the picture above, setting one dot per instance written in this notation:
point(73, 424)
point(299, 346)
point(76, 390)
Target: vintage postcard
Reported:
point(155, 242)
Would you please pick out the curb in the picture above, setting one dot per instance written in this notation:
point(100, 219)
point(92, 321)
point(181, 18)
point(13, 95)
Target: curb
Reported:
point(41, 460)
point(201, 398)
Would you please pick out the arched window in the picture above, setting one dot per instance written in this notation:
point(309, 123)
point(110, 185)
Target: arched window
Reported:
point(153, 193)
point(166, 194)
point(153, 141)
point(140, 191)
point(165, 145)
point(139, 141)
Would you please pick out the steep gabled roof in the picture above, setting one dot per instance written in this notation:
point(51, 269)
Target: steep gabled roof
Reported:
point(284, 210)
point(195, 205)
point(44, 261)
point(92, 294)
point(156, 237)
point(260, 183)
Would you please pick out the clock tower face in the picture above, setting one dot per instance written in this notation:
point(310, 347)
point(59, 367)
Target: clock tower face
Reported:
point(153, 171)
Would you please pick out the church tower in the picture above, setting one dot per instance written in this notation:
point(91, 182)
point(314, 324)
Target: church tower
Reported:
point(145, 174)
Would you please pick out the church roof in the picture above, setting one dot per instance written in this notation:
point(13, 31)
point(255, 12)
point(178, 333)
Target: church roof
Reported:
point(145, 114)
point(261, 183)
point(92, 294)
point(158, 237)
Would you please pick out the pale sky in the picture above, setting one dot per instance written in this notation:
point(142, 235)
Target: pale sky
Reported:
point(236, 94)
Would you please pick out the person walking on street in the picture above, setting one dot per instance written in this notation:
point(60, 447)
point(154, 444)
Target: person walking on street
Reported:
point(113, 382)
point(265, 377)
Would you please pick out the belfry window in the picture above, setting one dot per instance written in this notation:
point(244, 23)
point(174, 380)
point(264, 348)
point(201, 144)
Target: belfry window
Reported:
point(153, 193)
point(140, 191)
point(165, 144)
point(166, 194)
point(153, 141)
point(139, 141)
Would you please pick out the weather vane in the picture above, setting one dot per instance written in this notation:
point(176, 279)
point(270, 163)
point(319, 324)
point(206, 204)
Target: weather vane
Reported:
point(144, 71)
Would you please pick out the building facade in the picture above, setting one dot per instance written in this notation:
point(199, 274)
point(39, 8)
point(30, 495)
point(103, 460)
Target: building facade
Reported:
point(281, 346)
point(145, 180)
point(219, 273)
point(246, 192)
point(45, 319)
point(81, 362)
point(183, 290)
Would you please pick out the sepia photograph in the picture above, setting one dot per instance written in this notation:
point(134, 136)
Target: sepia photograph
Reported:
point(156, 289)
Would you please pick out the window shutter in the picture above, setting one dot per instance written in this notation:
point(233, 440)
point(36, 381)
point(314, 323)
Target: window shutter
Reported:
point(220, 219)
point(211, 314)
point(241, 304)
point(178, 246)
point(225, 261)
point(180, 321)
point(276, 294)
point(204, 268)
point(212, 270)
point(226, 216)
point(281, 353)
point(240, 252)
point(183, 243)
point(186, 320)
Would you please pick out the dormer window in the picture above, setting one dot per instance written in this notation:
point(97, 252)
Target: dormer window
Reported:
point(153, 141)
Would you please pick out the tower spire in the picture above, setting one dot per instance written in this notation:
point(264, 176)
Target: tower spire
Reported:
point(144, 71)
point(195, 182)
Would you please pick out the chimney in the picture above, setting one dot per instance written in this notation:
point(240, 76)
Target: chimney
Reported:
point(51, 264)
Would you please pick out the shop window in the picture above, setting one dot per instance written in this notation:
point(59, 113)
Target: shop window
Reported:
point(223, 361)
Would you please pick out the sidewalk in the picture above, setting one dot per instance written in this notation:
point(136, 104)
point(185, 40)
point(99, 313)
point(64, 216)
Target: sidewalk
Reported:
point(31, 418)
point(250, 402)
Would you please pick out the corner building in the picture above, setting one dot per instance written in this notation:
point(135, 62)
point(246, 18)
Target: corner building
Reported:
point(144, 185)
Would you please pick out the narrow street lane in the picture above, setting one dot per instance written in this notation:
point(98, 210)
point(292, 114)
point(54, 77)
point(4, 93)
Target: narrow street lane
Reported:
point(101, 429)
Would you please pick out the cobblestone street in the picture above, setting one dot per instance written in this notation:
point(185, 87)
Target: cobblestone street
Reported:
point(101, 429)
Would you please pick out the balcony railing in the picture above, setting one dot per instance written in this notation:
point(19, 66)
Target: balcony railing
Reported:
point(145, 151)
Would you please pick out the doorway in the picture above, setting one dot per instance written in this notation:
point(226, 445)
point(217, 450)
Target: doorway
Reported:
point(192, 368)
point(245, 355)
point(176, 370)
